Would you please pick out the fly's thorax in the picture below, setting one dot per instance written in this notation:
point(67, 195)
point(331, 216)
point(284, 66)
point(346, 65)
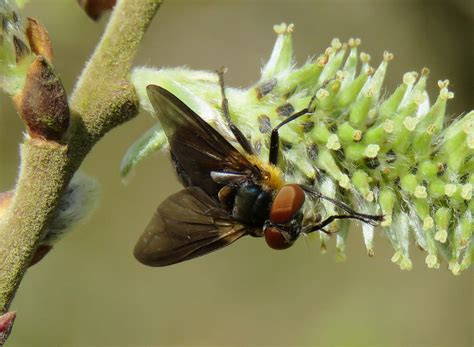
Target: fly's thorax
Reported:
point(271, 177)
point(248, 203)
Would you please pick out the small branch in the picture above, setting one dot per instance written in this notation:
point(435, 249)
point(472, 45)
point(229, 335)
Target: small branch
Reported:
point(35, 197)
point(103, 99)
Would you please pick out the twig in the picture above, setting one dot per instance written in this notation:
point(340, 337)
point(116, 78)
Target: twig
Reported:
point(103, 99)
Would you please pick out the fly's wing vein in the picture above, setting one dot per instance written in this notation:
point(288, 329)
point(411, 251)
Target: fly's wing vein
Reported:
point(186, 225)
point(196, 147)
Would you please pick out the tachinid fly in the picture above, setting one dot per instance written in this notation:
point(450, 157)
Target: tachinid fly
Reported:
point(228, 194)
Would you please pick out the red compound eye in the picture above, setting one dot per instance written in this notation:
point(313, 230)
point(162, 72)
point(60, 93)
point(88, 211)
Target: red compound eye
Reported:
point(275, 239)
point(287, 203)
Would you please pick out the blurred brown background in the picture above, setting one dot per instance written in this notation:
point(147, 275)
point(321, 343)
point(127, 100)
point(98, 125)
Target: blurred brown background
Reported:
point(91, 292)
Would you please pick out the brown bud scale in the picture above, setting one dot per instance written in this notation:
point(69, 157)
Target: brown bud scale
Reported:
point(6, 325)
point(42, 103)
point(21, 49)
point(95, 8)
point(38, 38)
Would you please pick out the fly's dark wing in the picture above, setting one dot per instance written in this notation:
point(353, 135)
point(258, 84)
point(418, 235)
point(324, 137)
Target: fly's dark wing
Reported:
point(186, 225)
point(196, 148)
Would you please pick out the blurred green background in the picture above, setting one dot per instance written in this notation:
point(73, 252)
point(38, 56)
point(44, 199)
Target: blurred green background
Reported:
point(91, 292)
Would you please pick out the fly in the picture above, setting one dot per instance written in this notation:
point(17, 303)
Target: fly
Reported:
point(227, 194)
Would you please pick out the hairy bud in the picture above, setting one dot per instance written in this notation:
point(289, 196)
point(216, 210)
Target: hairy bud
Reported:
point(77, 203)
point(38, 38)
point(42, 103)
point(6, 325)
point(95, 8)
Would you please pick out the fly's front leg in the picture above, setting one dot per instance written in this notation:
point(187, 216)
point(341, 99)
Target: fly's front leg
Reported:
point(320, 226)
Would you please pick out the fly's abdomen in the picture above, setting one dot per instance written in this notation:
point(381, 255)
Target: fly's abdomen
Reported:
point(251, 205)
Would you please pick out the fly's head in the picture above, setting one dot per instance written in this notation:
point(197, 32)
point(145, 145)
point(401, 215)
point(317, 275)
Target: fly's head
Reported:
point(284, 225)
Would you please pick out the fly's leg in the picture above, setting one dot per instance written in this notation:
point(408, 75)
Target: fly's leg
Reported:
point(367, 218)
point(320, 226)
point(246, 145)
point(275, 138)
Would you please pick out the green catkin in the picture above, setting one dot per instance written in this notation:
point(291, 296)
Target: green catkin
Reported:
point(361, 181)
point(355, 152)
point(442, 219)
point(375, 135)
point(335, 58)
point(436, 188)
point(409, 183)
point(341, 238)
point(468, 255)
point(320, 134)
point(282, 56)
point(427, 170)
point(377, 79)
point(350, 66)
point(389, 107)
point(419, 87)
point(327, 103)
point(328, 163)
point(405, 122)
point(347, 96)
point(300, 79)
point(360, 110)
point(467, 227)
point(396, 155)
point(347, 134)
point(429, 126)
point(14, 62)
point(387, 200)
